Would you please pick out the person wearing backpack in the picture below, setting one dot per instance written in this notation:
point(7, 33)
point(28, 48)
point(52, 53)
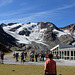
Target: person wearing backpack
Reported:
point(32, 57)
point(22, 57)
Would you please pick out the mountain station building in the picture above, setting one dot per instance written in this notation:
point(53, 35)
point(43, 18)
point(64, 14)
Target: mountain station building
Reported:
point(64, 51)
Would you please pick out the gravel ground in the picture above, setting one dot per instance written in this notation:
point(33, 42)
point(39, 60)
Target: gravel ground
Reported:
point(8, 60)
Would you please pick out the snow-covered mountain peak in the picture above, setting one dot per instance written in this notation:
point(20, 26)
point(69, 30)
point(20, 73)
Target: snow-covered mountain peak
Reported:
point(39, 35)
point(25, 33)
point(38, 32)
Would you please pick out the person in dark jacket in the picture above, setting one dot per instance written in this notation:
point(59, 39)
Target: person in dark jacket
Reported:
point(17, 55)
point(36, 55)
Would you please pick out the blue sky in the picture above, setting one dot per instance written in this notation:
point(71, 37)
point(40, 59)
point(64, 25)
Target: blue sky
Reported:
point(59, 12)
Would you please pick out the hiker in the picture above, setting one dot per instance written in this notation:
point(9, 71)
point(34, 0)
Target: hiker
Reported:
point(14, 54)
point(57, 56)
point(17, 55)
point(40, 57)
point(32, 57)
point(2, 57)
point(22, 57)
point(36, 55)
point(0, 54)
point(25, 54)
point(43, 55)
point(50, 66)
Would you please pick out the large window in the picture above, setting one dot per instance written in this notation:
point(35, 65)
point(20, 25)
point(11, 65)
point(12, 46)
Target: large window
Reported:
point(67, 53)
point(74, 53)
point(62, 53)
point(71, 53)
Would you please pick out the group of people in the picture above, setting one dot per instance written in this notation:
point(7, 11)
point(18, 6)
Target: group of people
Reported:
point(1, 57)
point(50, 64)
point(41, 56)
point(22, 56)
point(32, 56)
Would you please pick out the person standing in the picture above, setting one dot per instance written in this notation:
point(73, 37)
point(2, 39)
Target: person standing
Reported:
point(36, 55)
point(0, 54)
point(2, 57)
point(32, 57)
point(14, 54)
point(22, 57)
point(43, 55)
point(40, 57)
point(50, 66)
point(25, 54)
point(17, 55)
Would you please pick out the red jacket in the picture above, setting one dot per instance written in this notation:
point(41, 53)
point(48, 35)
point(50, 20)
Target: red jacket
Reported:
point(2, 54)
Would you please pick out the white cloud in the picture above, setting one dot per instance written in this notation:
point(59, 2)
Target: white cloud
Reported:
point(33, 16)
point(52, 12)
point(67, 6)
point(17, 12)
point(4, 2)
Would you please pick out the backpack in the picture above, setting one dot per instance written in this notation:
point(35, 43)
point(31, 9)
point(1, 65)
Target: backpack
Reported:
point(22, 55)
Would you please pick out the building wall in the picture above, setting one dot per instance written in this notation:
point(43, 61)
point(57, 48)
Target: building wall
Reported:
point(68, 53)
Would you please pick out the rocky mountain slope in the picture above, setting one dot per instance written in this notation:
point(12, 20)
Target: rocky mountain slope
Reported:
point(70, 29)
point(5, 38)
point(37, 36)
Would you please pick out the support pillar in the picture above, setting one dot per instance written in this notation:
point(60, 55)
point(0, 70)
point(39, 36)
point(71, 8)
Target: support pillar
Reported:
point(61, 54)
point(70, 55)
point(73, 55)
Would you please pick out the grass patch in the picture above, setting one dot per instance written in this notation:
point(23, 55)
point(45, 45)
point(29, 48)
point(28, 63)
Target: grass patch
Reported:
point(33, 70)
point(21, 70)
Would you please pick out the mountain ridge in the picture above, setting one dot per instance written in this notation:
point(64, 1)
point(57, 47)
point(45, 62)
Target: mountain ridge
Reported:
point(40, 35)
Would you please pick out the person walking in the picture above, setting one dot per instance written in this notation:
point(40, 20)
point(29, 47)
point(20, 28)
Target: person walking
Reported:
point(50, 66)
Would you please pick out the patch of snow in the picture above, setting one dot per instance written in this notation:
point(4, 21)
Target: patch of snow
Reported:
point(74, 33)
point(67, 31)
point(59, 33)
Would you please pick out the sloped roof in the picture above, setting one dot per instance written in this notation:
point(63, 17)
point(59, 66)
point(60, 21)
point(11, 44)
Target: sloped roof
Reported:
point(62, 46)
